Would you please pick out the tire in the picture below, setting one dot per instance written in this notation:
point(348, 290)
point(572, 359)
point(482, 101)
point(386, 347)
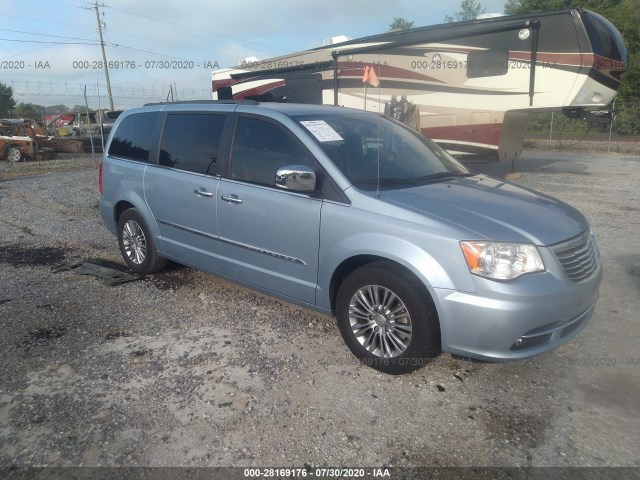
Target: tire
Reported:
point(394, 316)
point(136, 244)
point(14, 154)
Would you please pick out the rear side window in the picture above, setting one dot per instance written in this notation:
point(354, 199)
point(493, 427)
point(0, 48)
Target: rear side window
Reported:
point(191, 142)
point(261, 148)
point(133, 138)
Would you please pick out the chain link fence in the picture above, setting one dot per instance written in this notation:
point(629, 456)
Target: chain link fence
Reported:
point(615, 130)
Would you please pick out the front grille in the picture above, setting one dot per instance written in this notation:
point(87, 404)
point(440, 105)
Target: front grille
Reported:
point(579, 256)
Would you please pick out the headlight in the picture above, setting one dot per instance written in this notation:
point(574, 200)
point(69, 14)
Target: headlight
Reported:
point(501, 261)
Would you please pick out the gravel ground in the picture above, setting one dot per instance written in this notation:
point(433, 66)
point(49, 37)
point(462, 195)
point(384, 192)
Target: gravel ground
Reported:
point(184, 369)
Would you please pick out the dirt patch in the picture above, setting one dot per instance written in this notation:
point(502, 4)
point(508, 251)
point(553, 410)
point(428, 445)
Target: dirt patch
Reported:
point(43, 335)
point(19, 256)
point(511, 424)
point(19, 170)
point(174, 277)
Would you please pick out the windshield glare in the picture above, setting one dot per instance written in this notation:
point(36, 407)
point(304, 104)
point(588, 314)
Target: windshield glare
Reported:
point(370, 149)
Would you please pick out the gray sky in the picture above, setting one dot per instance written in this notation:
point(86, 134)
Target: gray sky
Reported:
point(143, 32)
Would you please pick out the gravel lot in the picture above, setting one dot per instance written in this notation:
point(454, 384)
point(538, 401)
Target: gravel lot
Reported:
point(184, 369)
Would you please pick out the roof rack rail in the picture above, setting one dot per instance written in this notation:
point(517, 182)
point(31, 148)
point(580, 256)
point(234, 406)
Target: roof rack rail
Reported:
point(204, 102)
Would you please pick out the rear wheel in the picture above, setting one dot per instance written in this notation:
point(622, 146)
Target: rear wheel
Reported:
point(136, 244)
point(387, 318)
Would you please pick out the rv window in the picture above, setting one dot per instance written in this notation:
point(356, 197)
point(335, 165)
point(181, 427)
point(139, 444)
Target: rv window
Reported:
point(225, 93)
point(300, 90)
point(605, 39)
point(191, 141)
point(487, 63)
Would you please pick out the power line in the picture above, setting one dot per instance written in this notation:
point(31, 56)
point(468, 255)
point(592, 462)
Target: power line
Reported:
point(39, 34)
point(146, 51)
point(93, 44)
point(42, 21)
point(139, 71)
point(103, 43)
point(208, 32)
point(49, 43)
point(43, 48)
point(190, 47)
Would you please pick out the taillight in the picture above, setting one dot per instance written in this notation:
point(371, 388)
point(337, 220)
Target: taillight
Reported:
point(100, 178)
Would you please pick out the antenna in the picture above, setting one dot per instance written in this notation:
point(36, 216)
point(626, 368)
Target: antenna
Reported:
point(96, 7)
point(378, 141)
point(378, 162)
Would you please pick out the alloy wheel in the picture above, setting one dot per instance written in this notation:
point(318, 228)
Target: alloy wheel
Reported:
point(134, 242)
point(380, 321)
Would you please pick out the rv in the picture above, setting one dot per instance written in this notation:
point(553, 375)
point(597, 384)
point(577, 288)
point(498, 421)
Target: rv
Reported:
point(469, 86)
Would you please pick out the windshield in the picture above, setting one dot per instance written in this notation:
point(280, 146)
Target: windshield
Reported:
point(371, 150)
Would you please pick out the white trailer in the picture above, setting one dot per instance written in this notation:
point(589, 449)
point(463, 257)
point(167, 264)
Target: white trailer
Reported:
point(467, 85)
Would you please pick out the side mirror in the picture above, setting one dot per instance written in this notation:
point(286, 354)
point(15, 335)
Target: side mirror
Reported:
point(296, 178)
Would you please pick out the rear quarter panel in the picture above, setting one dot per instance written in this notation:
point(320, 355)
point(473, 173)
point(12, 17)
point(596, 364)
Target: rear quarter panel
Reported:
point(123, 181)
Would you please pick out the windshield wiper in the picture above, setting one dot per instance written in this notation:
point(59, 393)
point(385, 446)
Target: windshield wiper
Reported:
point(442, 175)
point(411, 181)
point(388, 181)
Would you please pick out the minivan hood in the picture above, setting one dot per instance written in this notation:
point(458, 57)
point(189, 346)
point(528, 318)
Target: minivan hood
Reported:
point(493, 209)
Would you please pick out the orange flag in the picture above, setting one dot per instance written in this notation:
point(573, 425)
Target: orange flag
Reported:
point(370, 76)
point(373, 78)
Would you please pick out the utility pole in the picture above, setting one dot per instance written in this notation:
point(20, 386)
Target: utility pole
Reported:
point(96, 7)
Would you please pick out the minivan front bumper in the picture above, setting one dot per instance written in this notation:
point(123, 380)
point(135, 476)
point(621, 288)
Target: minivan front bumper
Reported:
point(516, 319)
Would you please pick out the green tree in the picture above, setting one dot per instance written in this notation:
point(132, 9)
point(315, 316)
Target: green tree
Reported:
point(469, 10)
point(7, 103)
point(514, 7)
point(400, 24)
point(57, 109)
point(627, 120)
point(28, 110)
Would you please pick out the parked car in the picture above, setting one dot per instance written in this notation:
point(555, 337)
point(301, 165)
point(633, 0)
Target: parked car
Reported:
point(353, 214)
point(108, 119)
point(80, 131)
point(19, 141)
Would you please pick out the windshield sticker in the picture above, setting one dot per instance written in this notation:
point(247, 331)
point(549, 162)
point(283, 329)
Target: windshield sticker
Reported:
point(322, 131)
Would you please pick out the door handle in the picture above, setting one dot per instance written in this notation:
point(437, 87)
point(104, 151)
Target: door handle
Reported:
point(202, 192)
point(232, 198)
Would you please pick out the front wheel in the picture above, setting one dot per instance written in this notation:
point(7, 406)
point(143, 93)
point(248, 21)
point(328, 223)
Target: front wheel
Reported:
point(387, 319)
point(14, 154)
point(136, 244)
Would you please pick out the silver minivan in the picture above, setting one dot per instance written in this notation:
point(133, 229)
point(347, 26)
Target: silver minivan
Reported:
point(352, 214)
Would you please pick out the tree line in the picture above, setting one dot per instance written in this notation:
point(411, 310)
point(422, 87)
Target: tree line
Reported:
point(9, 107)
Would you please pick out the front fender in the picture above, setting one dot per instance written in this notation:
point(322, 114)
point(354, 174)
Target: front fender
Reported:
point(436, 261)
